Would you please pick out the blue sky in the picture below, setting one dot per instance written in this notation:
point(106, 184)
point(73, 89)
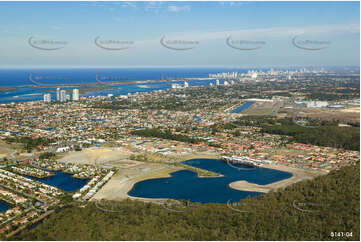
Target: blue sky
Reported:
point(231, 34)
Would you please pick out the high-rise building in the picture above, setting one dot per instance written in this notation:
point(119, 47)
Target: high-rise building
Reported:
point(62, 95)
point(217, 82)
point(58, 94)
point(176, 85)
point(186, 84)
point(47, 98)
point(75, 94)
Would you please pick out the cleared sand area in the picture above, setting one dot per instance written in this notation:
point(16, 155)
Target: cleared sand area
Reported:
point(102, 156)
point(343, 115)
point(197, 155)
point(260, 108)
point(298, 175)
point(123, 181)
point(5, 150)
point(351, 110)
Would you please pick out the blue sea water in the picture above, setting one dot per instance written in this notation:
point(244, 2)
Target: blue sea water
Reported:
point(186, 184)
point(4, 206)
point(243, 107)
point(63, 181)
point(21, 77)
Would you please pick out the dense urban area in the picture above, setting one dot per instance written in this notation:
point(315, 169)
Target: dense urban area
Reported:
point(303, 121)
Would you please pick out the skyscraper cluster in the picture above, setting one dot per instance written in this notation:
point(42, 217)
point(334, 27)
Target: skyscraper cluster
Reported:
point(61, 96)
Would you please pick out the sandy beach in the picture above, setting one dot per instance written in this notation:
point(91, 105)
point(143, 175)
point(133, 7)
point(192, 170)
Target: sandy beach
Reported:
point(298, 175)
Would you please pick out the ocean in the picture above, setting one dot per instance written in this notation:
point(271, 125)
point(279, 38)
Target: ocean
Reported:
point(19, 78)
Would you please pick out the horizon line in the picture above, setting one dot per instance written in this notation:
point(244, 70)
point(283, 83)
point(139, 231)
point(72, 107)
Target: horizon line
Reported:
point(185, 66)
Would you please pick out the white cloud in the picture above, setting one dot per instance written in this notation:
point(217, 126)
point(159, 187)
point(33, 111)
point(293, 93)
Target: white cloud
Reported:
point(174, 8)
point(270, 32)
point(126, 4)
point(153, 7)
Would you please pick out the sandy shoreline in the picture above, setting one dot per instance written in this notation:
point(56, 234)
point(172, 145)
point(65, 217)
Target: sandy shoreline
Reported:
point(119, 186)
point(298, 175)
point(123, 181)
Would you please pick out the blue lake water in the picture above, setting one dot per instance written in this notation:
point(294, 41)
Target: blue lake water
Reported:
point(187, 185)
point(4, 206)
point(63, 181)
point(243, 107)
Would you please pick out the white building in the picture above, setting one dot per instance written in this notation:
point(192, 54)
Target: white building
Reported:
point(58, 94)
point(186, 84)
point(63, 149)
point(316, 104)
point(217, 82)
point(47, 97)
point(76, 195)
point(175, 85)
point(75, 94)
point(62, 96)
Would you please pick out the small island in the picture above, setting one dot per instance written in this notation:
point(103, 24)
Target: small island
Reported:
point(8, 89)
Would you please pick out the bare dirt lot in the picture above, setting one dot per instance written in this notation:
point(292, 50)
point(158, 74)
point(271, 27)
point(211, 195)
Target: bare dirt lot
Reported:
point(259, 108)
point(345, 115)
point(6, 150)
point(117, 157)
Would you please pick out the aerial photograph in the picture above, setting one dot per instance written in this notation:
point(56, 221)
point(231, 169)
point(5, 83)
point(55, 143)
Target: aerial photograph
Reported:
point(180, 120)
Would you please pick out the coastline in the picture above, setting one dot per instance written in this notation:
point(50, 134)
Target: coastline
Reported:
point(298, 175)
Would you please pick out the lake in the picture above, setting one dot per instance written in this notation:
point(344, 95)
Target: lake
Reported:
point(186, 184)
point(63, 181)
point(4, 206)
point(243, 107)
